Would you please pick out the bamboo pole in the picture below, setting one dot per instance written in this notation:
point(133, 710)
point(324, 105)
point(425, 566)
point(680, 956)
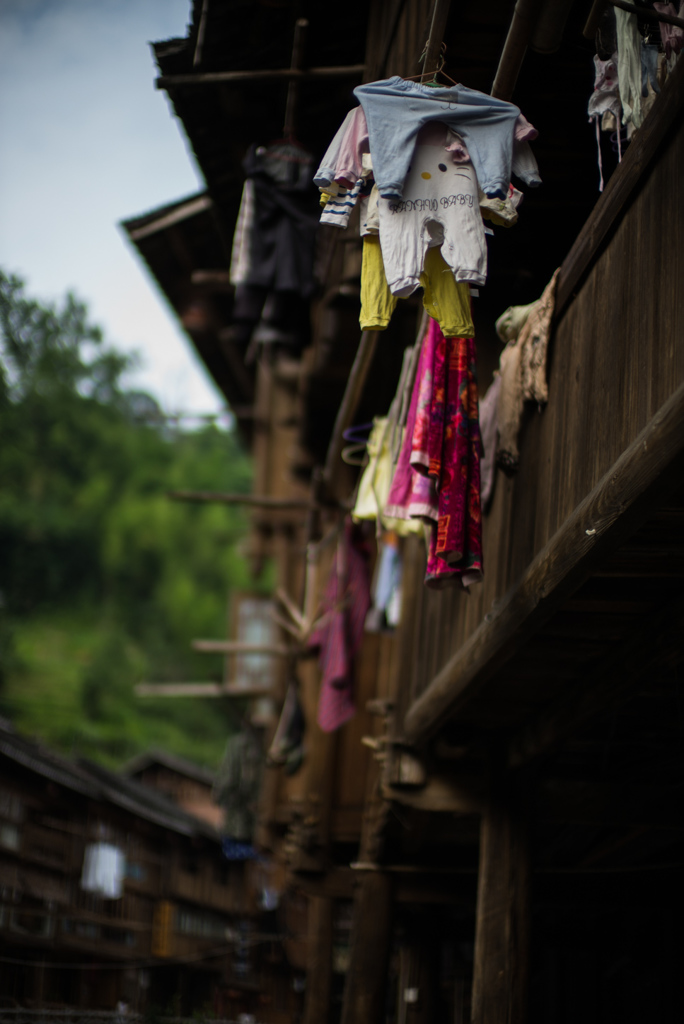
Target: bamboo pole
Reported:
point(230, 77)
point(515, 48)
point(433, 46)
point(253, 500)
point(647, 13)
point(239, 647)
point(289, 124)
point(200, 690)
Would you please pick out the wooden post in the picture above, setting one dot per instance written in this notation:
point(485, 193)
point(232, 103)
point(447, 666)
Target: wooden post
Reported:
point(433, 46)
point(365, 987)
point(301, 26)
point(319, 969)
point(519, 34)
point(502, 929)
point(418, 974)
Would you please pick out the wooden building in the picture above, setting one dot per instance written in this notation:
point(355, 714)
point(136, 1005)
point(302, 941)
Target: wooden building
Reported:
point(163, 922)
point(497, 834)
point(188, 785)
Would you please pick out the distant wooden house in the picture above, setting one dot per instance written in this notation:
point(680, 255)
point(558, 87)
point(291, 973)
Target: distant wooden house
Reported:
point(111, 892)
point(496, 835)
point(187, 784)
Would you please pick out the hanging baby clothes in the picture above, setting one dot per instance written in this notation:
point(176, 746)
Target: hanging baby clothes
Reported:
point(489, 429)
point(396, 109)
point(437, 476)
point(439, 208)
point(526, 330)
point(629, 66)
point(671, 35)
point(340, 631)
point(412, 494)
point(453, 459)
point(325, 174)
point(605, 99)
point(386, 590)
point(446, 300)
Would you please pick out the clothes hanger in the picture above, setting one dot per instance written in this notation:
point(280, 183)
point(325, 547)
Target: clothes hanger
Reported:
point(357, 433)
point(439, 70)
point(350, 453)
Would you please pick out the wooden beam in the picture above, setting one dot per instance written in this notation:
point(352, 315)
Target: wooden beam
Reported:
point(301, 25)
point(409, 869)
point(239, 647)
point(169, 220)
point(596, 13)
point(319, 961)
point(268, 74)
point(218, 280)
point(252, 500)
point(647, 13)
point(350, 401)
point(440, 795)
point(519, 34)
point(615, 508)
point(200, 690)
point(659, 642)
point(502, 924)
point(433, 46)
point(371, 944)
point(613, 202)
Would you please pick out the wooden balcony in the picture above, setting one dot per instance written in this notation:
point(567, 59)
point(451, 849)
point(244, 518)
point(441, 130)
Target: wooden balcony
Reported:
point(583, 546)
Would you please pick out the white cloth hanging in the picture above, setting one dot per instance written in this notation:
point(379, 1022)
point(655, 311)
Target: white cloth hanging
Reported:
point(104, 867)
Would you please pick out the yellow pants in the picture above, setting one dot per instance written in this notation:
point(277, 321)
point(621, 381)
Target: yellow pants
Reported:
point(446, 300)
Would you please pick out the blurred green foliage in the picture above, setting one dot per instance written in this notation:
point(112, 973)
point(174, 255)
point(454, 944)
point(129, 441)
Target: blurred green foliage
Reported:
point(103, 580)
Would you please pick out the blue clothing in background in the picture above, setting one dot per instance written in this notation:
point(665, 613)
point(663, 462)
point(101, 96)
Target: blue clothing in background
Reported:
point(396, 109)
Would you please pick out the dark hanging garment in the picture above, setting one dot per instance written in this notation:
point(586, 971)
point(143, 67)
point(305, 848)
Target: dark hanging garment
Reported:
point(273, 249)
point(283, 229)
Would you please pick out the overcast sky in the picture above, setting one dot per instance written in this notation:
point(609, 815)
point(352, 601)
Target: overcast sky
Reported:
point(86, 141)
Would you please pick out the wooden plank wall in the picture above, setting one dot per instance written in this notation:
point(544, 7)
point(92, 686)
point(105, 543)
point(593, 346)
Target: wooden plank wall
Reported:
point(615, 357)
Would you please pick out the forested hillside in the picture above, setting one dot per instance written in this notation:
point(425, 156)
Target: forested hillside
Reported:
point(103, 580)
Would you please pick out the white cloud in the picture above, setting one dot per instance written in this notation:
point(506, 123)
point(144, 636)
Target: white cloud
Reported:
point(86, 142)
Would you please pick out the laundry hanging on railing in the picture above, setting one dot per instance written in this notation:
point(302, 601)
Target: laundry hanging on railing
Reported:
point(634, 58)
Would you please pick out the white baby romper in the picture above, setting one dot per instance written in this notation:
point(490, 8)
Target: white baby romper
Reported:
point(439, 208)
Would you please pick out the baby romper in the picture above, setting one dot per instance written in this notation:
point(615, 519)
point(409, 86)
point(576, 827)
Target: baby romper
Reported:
point(440, 207)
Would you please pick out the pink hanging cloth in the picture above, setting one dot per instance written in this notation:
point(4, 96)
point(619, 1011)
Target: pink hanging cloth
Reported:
point(339, 634)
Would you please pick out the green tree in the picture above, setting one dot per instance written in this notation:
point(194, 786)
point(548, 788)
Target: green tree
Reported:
point(103, 580)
